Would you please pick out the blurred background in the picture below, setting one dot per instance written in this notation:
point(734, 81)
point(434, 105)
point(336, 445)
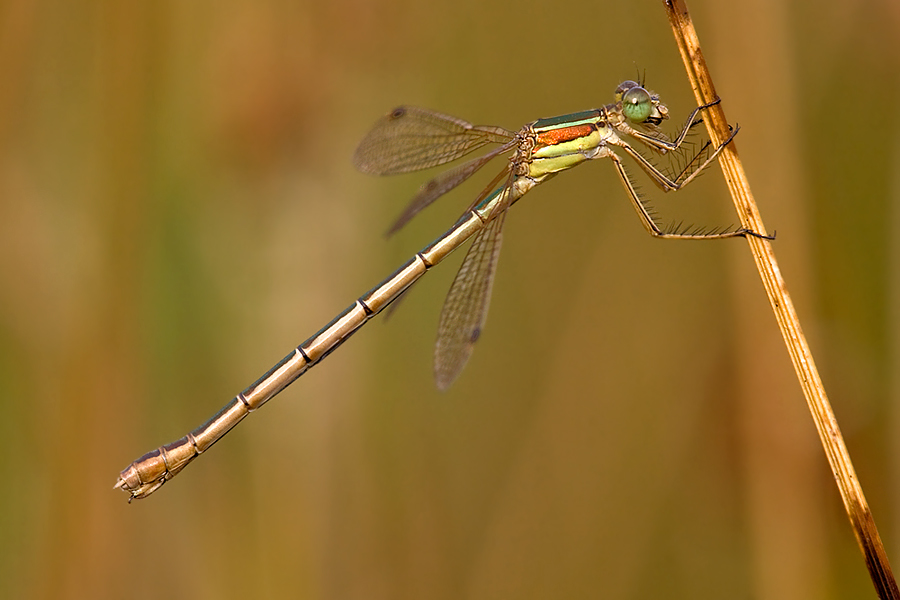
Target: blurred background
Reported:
point(178, 210)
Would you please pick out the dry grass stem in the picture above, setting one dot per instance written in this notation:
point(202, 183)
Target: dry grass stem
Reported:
point(838, 458)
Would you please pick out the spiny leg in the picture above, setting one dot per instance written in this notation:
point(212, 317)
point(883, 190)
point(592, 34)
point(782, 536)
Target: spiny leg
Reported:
point(664, 145)
point(694, 165)
point(663, 180)
point(655, 230)
point(690, 165)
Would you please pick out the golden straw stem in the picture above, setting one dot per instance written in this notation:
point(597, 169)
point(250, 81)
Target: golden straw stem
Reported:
point(829, 433)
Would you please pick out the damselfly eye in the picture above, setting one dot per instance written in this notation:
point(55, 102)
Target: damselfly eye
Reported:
point(637, 104)
point(624, 87)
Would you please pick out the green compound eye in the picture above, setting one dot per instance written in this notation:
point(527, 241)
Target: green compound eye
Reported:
point(637, 104)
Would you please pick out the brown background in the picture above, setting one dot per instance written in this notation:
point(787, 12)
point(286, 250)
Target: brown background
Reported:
point(178, 210)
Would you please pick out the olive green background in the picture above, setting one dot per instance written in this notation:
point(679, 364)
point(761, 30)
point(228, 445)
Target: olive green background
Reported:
point(178, 211)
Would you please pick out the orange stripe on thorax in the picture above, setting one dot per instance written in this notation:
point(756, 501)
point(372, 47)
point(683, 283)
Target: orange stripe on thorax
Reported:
point(564, 134)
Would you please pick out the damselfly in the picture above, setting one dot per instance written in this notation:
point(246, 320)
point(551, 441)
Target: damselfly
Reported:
point(411, 139)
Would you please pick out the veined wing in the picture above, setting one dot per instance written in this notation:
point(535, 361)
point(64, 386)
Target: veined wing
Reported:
point(410, 138)
point(443, 183)
point(465, 309)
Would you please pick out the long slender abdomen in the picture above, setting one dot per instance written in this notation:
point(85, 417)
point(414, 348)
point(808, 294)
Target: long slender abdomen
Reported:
point(145, 475)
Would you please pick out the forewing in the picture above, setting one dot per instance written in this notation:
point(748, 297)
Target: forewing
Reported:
point(411, 138)
point(443, 183)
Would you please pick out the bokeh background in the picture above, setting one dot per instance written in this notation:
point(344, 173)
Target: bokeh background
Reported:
point(178, 210)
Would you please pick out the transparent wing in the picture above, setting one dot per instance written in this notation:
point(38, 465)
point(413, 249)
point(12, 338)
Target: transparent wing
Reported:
point(443, 183)
point(466, 306)
point(411, 138)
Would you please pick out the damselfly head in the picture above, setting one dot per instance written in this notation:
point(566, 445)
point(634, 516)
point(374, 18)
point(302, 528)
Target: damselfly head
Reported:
point(639, 105)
